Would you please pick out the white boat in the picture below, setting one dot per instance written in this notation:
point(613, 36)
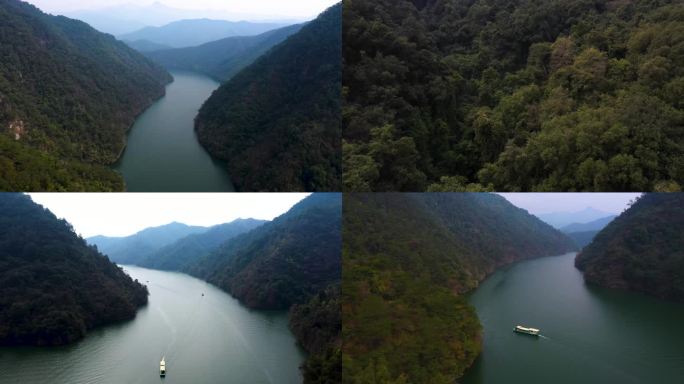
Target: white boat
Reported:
point(525, 330)
point(162, 367)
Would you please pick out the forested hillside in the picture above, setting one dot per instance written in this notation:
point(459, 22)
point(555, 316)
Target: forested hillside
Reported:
point(277, 122)
point(186, 250)
point(407, 260)
point(292, 262)
point(562, 95)
point(641, 250)
point(224, 58)
point(136, 248)
point(67, 96)
point(53, 286)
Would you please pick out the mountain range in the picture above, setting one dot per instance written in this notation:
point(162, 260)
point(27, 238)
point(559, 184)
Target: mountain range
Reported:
point(193, 32)
point(565, 218)
point(277, 122)
point(220, 59)
point(408, 260)
point(53, 286)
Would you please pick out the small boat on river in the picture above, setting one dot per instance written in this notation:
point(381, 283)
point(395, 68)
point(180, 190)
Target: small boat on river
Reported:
point(525, 330)
point(162, 367)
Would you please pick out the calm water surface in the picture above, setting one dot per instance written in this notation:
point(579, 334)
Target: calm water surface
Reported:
point(590, 335)
point(210, 339)
point(163, 154)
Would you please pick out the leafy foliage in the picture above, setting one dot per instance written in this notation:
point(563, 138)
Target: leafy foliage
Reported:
point(641, 250)
point(224, 58)
point(407, 260)
point(546, 95)
point(53, 286)
point(67, 96)
point(277, 123)
point(318, 327)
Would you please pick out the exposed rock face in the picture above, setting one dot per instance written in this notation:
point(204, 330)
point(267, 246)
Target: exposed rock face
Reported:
point(18, 129)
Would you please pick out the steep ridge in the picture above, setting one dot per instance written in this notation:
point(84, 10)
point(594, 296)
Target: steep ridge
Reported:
point(408, 259)
point(292, 262)
point(67, 96)
point(53, 286)
point(277, 122)
point(136, 248)
point(641, 250)
point(183, 252)
point(222, 59)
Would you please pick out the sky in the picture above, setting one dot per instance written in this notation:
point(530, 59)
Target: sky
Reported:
point(292, 8)
point(123, 214)
point(540, 203)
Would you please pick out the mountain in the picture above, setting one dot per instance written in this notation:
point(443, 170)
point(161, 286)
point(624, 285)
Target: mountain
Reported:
point(67, 96)
point(518, 96)
point(595, 225)
point(277, 122)
point(292, 262)
point(641, 250)
point(190, 33)
point(408, 259)
point(181, 253)
point(145, 46)
point(53, 286)
point(136, 248)
point(562, 219)
point(582, 239)
point(224, 58)
point(130, 17)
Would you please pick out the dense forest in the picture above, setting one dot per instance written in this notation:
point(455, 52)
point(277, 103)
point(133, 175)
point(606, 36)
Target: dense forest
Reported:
point(514, 95)
point(67, 96)
point(53, 286)
point(407, 260)
point(277, 122)
point(224, 58)
point(641, 250)
point(291, 263)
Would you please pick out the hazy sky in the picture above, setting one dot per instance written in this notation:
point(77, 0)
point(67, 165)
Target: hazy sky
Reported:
point(123, 214)
point(292, 8)
point(539, 203)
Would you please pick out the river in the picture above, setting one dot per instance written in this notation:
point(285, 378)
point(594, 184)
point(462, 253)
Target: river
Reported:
point(206, 339)
point(162, 152)
point(590, 334)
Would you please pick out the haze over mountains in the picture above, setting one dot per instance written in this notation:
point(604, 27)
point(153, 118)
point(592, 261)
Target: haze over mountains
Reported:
point(562, 219)
point(193, 32)
point(127, 18)
point(220, 59)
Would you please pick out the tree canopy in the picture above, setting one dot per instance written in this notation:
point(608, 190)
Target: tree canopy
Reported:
point(524, 95)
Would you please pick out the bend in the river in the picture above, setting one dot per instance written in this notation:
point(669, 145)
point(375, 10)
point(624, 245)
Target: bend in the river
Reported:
point(162, 152)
